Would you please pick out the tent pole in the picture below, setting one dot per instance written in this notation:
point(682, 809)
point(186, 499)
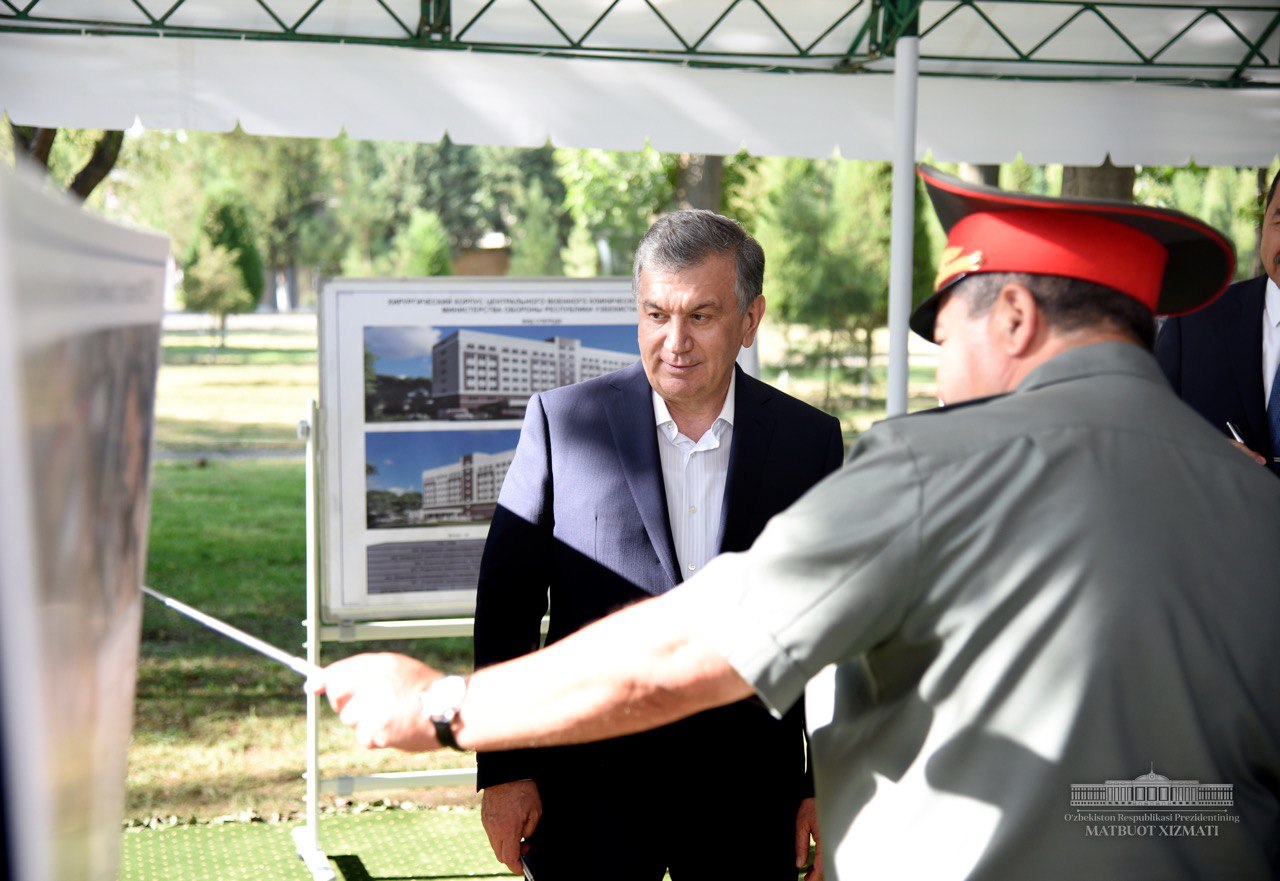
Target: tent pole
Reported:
point(901, 243)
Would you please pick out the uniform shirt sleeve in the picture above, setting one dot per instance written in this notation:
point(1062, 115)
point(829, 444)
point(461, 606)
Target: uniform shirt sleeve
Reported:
point(829, 578)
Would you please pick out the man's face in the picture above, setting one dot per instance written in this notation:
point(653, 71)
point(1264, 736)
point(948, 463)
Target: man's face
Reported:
point(1269, 248)
point(968, 365)
point(691, 330)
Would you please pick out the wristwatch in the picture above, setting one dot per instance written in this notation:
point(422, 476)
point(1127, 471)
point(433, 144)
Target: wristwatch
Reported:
point(440, 703)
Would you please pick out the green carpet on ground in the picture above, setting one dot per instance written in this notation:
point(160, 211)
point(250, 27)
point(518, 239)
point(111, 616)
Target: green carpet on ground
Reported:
point(425, 845)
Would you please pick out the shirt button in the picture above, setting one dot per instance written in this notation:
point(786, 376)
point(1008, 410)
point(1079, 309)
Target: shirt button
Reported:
point(693, 509)
point(692, 566)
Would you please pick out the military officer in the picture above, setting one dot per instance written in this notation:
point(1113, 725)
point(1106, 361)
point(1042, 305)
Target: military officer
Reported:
point(1000, 611)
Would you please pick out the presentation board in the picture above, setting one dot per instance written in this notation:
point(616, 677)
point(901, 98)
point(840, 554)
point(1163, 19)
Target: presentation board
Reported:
point(423, 389)
point(80, 311)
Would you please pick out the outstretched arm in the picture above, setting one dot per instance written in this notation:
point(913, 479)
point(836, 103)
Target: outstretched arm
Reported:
point(637, 669)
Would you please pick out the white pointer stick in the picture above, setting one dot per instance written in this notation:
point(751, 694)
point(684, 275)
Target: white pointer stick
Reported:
point(297, 665)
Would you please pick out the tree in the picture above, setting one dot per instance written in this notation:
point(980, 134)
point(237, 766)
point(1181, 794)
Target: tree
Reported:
point(508, 175)
point(214, 283)
point(741, 196)
point(615, 196)
point(375, 191)
point(226, 224)
point(580, 257)
point(1224, 198)
point(825, 227)
point(1022, 177)
point(535, 235)
point(370, 389)
point(287, 182)
point(796, 227)
point(451, 179)
point(987, 175)
point(699, 181)
point(1105, 181)
point(91, 156)
point(422, 248)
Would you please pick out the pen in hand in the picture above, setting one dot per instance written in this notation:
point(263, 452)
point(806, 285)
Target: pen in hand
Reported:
point(1235, 433)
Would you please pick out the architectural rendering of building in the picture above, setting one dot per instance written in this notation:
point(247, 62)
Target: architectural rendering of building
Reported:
point(466, 489)
point(491, 375)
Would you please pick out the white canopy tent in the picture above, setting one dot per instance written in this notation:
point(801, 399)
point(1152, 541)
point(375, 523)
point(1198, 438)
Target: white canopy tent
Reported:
point(1057, 80)
point(1145, 81)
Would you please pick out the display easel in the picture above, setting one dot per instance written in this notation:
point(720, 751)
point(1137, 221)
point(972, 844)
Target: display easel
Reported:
point(586, 325)
point(307, 836)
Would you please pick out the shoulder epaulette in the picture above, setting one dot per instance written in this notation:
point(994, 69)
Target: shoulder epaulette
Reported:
point(949, 408)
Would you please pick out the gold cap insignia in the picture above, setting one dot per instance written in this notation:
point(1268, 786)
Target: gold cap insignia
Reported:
point(955, 261)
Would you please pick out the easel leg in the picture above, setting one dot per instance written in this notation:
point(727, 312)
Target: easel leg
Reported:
point(306, 838)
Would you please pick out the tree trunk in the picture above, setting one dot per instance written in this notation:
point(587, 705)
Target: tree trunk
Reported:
point(868, 352)
point(293, 296)
point(1105, 181)
point(1263, 183)
point(700, 181)
point(105, 153)
point(270, 284)
point(34, 142)
point(988, 175)
point(828, 361)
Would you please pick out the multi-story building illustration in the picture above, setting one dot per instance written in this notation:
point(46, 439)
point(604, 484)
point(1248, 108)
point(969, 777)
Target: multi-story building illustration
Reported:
point(477, 373)
point(466, 489)
point(1151, 791)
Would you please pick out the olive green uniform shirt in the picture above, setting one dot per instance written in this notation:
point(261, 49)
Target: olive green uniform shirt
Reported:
point(1074, 583)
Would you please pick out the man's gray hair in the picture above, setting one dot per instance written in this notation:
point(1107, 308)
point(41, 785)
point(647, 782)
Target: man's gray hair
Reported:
point(1068, 304)
point(685, 238)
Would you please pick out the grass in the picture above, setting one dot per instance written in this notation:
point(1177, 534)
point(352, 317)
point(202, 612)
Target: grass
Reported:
point(227, 536)
point(856, 414)
point(220, 731)
point(247, 396)
point(242, 400)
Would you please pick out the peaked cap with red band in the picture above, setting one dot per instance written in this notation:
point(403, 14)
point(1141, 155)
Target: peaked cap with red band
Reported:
point(1168, 261)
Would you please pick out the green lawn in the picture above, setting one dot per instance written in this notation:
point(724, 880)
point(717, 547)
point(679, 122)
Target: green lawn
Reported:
point(228, 538)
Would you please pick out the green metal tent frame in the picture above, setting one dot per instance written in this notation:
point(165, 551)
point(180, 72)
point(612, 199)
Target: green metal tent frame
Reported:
point(882, 22)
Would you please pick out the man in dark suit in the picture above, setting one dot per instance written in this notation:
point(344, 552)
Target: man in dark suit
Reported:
point(622, 486)
point(1225, 359)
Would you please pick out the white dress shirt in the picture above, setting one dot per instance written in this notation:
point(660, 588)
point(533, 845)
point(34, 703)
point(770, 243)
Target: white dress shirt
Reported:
point(1270, 339)
point(694, 475)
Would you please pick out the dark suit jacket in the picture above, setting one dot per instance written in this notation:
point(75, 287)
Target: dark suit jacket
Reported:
point(582, 520)
point(1213, 359)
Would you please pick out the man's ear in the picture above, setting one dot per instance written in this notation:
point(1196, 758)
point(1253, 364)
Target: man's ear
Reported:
point(1018, 320)
point(755, 313)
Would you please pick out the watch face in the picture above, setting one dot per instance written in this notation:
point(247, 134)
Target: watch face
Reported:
point(444, 695)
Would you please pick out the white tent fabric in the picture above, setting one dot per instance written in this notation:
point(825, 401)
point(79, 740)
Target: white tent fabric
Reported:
point(1085, 80)
point(389, 93)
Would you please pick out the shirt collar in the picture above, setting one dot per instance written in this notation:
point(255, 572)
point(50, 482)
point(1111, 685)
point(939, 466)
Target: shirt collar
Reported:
point(662, 415)
point(1093, 359)
point(1273, 303)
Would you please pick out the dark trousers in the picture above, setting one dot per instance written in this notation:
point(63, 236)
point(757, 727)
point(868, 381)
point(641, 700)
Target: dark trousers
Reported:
point(674, 802)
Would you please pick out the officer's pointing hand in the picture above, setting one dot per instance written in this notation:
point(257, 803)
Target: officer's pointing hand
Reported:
point(378, 695)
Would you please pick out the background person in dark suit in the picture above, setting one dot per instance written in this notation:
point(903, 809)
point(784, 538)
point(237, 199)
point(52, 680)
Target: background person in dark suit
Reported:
point(1224, 359)
point(622, 486)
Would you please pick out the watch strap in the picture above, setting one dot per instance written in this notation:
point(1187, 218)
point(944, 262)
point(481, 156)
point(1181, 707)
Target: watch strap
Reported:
point(440, 703)
point(444, 730)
